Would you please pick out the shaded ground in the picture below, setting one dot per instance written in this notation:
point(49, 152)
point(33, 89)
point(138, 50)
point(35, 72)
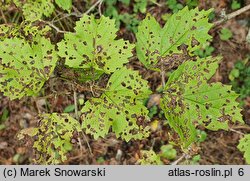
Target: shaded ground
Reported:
point(219, 148)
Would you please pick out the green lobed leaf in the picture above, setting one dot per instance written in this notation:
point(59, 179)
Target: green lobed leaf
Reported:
point(54, 135)
point(187, 27)
point(244, 146)
point(35, 10)
point(25, 67)
point(120, 107)
point(189, 100)
point(64, 4)
point(93, 46)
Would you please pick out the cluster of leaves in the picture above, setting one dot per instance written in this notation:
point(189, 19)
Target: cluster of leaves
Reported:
point(93, 48)
point(205, 51)
point(130, 21)
point(175, 6)
point(169, 153)
point(26, 64)
point(188, 100)
point(240, 79)
point(35, 10)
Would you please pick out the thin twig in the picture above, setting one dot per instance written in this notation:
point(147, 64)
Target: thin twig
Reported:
point(238, 132)
point(76, 10)
point(91, 89)
point(79, 15)
point(184, 155)
point(77, 117)
point(100, 8)
point(232, 15)
point(4, 18)
point(68, 15)
point(80, 144)
point(86, 140)
point(247, 128)
point(99, 2)
point(158, 4)
point(93, 6)
point(54, 27)
point(56, 16)
point(36, 105)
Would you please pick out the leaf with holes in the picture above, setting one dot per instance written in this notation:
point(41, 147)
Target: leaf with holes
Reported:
point(184, 32)
point(120, 107)
point(25, 67)
point(64, 4)
point(93, 46)
point(35, 10)
point(25, 30)
point(54, 135)
point(189, 100)
point(150, 158)
point(244, 146)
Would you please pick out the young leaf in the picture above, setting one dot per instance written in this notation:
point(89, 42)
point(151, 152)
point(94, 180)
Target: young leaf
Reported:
point(244, 146)
point(174, 5)
point(187, 28)
point(225, 34)
point(120, 107)
point(54, 136)
point(69, 108)
point(168, 152)
point(93, 46)
point(235, 5)
point(23, 67)
point(189, 100)
point(150, 158)
point(35, 10)
point(64, 4)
